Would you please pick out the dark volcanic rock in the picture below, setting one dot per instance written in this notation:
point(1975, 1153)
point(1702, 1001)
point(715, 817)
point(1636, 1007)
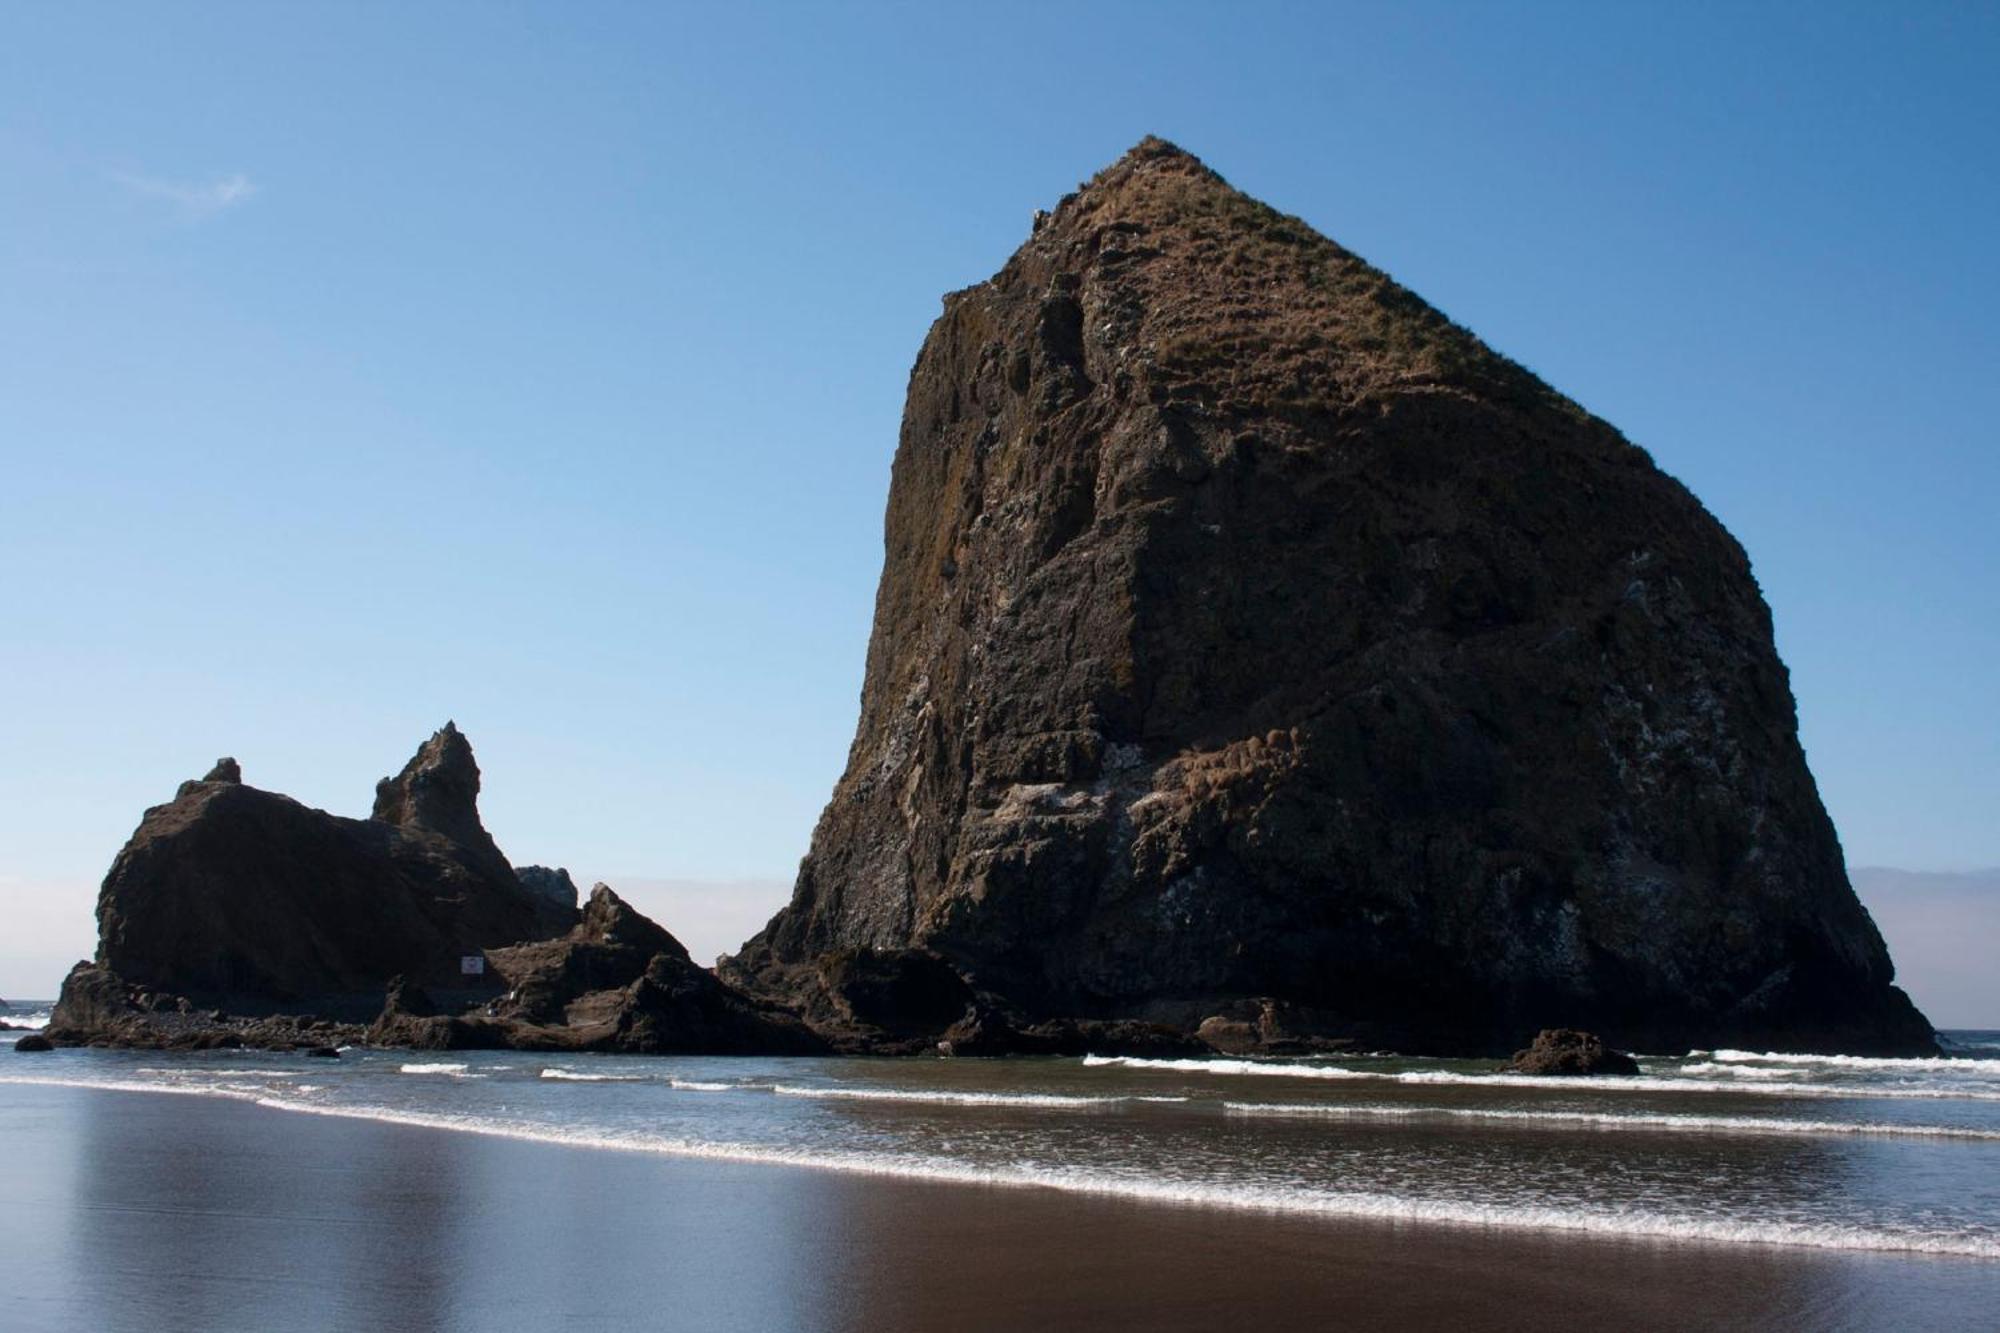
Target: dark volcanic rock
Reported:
point(554, 885)
point(1566, 1052)
point(1248, 633)
point(100, 1008)
point(617, 982)
point(226, 770)
point(437, 794)
point(248, 901)
point(34, 1042)
point(233, 910)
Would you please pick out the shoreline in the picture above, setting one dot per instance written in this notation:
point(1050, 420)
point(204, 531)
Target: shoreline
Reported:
point(1338, 1209)
point(886, 1241)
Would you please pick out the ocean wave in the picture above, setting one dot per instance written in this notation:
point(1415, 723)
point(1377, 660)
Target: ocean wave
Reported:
point(1671, 1084)
point(1203, 1066)
point(1361, 1206)
point(1659, 1082)
point(1733, 1071)
point(1636, 1121)
point(573, 1076)
point(705, 1085)
point(439, 1067)
point(197, 1071)
point(944, 1098)
point(1879, 1064)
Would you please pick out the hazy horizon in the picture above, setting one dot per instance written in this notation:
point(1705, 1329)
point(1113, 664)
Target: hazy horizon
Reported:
point(1939, 926)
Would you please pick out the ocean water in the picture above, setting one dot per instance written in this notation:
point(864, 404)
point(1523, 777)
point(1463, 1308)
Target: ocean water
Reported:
point(1724, 1148)
point(32, 1015)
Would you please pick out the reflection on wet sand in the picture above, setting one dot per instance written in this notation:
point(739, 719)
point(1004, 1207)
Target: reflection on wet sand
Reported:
point(186, 1213)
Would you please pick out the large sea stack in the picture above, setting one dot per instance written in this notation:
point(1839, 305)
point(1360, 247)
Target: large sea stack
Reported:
point(1257, 653)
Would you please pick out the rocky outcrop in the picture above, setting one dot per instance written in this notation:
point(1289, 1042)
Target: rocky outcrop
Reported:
point(33, 1042)
point(100, 1008)
point(236, 899)
point(238, 917)
point(1568, 1053)
point(617, 982)
point(235, 892)
point(1251, 639)
point(553, 885)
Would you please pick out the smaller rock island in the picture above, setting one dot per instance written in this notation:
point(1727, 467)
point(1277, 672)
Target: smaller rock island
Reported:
point(236, 916)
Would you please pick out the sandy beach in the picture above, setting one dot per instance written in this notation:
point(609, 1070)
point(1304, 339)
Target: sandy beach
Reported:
point(148, 1212)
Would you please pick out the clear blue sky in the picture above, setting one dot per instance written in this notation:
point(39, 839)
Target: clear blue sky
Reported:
point(540, 366)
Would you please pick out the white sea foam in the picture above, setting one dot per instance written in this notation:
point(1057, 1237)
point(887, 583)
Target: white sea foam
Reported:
point(1733, 1071)
point(704, 1085)
point(1356, 1205)
point(1670, 1084)
point(1229, 1067)
point(197, 1071)
point(436, 1067)
point(1880, 1064)
point(1635, 1121)
point(945, 1098)
point(573, 1076)
point(1654, 1082)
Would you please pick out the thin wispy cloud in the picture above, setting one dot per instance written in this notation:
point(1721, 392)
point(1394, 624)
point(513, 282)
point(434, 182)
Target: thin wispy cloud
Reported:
point(194, 201)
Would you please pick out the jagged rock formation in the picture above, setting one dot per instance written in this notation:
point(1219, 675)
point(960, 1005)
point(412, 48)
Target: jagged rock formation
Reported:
point(1255, 645)
point(617, 982)
point(247, 900)
point(238, 917)
point(554, 885)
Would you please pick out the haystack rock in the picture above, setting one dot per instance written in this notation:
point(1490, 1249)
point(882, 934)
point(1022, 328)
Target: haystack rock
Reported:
point(1255, 645)
point(243, 900)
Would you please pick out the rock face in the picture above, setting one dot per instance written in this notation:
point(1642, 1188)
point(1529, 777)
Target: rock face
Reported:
point(554, 885)
point(1252, 642)
point(238, 917)
point(1565, 1052)
point(617, 982)
point(246, 900)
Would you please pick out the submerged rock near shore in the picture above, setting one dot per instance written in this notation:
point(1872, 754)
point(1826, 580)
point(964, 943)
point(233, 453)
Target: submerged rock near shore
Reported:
point(1568, 1053)
point(1260, 656)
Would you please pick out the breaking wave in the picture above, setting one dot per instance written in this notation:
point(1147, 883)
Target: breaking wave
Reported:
point(1659, 1082)
point(1636, 1121)
point(1357, 1205)
point(940, 1098)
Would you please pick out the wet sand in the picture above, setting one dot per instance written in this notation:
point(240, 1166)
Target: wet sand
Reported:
point(139, 1211)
